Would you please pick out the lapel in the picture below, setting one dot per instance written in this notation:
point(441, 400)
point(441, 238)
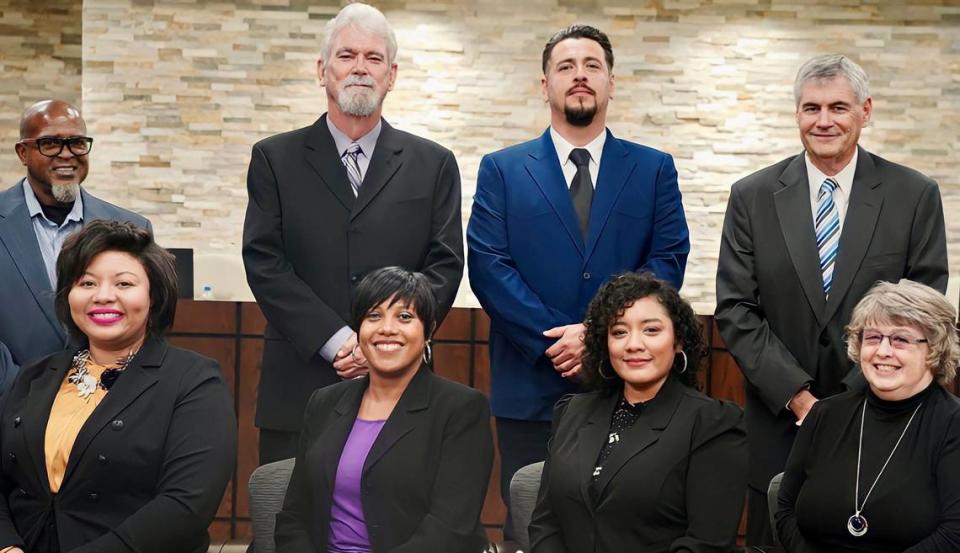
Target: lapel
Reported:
point(384, 164)
point(796, 224)
point(404, 417)
point(615, 169)
point(16, 233)
point(36, 411)
point(320, 153)
point(590, 439)
point(863, 211)
point(336, 434)
point(544, 167)
point(644, 433)
point(95, 208)
point(142, 373)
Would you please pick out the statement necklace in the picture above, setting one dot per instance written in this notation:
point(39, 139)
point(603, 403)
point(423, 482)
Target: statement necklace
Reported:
point(85, 382)
point(857, 523)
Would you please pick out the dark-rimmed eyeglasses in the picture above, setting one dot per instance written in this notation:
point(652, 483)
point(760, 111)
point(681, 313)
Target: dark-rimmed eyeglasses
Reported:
point(51, 146)
point(897, 340)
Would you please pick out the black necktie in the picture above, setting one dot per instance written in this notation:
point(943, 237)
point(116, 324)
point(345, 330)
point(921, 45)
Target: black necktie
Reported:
point(581, 189)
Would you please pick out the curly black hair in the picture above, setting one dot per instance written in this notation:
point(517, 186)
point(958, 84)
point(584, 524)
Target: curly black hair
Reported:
point(613, 298)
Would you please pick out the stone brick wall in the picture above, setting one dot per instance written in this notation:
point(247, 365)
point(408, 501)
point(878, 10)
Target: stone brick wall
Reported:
point(176, 92)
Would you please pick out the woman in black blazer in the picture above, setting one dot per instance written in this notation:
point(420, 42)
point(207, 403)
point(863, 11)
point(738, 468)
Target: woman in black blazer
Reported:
point(127, 444)
point(396, 461)
point(645, 463)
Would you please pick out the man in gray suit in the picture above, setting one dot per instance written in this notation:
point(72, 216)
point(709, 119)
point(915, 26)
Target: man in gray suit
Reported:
point(36, 215)
point(803, 240)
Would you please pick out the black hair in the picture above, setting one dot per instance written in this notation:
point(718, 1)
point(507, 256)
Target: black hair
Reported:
point(579, 31)
point(397, 285)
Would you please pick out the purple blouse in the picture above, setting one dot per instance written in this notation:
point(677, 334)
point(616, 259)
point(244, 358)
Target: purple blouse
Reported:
point(348, 528)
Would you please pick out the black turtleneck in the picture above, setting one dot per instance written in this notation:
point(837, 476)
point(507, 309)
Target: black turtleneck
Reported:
point(915, 505)
point(57, 213)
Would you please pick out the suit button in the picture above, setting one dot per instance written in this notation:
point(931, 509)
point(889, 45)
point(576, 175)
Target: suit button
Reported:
point(101, 458)
point(16, 422)
point(586, 276)
point(12, 457)
point(117, 424)
point(21, 492)
point(824, 340)
point(354, 278)
point(92, 496)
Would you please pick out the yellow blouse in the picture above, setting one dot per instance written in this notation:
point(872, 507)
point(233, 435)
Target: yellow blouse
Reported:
point(67, 416)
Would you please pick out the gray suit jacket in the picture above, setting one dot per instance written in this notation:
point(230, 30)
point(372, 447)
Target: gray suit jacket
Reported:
point(28, 323)
point(771, 310)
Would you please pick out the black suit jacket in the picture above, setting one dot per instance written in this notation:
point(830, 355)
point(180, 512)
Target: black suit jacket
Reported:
point(675, 483)
point(423, 482)
point(307, 243)
point(147, 470)
point(771, 309)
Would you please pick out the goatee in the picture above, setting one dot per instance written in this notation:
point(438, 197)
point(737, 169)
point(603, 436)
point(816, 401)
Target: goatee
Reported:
point(65, 193)
point(580, 116)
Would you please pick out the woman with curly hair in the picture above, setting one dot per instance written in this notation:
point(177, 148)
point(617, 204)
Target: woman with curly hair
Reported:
point(644, 462)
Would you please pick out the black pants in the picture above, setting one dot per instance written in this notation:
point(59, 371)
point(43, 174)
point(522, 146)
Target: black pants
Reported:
point(521, 443)
point(276, 445)
point(759, 529)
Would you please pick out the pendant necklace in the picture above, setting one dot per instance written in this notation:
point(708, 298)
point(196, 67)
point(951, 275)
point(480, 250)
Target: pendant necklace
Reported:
point(857, 523)
point(86, 383)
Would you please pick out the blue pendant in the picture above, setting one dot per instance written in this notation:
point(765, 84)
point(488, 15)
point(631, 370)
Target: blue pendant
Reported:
point(857, 525)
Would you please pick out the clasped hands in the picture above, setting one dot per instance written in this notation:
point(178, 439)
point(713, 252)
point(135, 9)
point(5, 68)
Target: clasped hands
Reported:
point(567, 351)
point(349, 361)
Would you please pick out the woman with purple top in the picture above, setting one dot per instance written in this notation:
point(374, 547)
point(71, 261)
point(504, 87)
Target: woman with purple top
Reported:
point(398, 460)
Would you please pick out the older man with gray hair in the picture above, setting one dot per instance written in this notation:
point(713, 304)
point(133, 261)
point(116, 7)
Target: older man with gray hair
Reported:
point(803, 240)
point(331, 202)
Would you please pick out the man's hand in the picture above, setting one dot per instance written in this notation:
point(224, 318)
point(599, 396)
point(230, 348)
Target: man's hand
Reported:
point(346, 363)
point(801, 403)
point(566, 352)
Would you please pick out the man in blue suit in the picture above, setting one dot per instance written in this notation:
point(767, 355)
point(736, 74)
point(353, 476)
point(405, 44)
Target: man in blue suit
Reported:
point(543, 237)
point(36, 215)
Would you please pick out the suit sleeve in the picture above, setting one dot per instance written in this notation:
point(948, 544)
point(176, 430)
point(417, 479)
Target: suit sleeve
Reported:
point(927, 258)
point(946, 536)
point(292, 533)
point(671, 238)
point(494, 277)
point(8, 532)
point(8, 372)
point(198, 460)
point(787, 528)
point(546, 534)
point(443, 265)
point(763, 358)
point(288, 303)
point(466, 456)
point(716, 481)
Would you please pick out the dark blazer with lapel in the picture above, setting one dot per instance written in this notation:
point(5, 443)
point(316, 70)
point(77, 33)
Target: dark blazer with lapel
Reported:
point(531, 269)
point(423, 482)
point(771, 310)
point(28, 324)
point(675, 483)
point(307, 243)
point(148, 468)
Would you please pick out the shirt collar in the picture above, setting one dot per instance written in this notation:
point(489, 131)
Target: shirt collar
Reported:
point(33, 205)
point(367, 142)
point(595, 146)
point(844, 178)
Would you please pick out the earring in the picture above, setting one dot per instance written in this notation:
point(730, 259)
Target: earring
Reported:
point(427, 353)
point(603, 376)
point(684, 354)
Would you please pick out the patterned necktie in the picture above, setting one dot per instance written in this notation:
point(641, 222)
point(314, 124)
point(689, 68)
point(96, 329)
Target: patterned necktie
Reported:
point(581, 189)
point(827, 226)
point(349, 160)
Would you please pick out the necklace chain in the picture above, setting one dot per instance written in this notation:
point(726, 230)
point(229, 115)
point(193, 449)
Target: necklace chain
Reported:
point(857, 506)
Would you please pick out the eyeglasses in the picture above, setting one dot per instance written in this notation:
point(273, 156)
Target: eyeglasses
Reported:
point(897, 340)
point(51, 146)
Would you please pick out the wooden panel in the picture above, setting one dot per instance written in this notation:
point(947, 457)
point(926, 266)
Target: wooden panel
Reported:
point(452, 361)
point(219, 532)
point(726, 382)
point(249, 438)
point(244, 532)
point(213, 317)
point(716, 341)
point(456, 326)
point(481, 368)
point(482, 326)
point(252, 320)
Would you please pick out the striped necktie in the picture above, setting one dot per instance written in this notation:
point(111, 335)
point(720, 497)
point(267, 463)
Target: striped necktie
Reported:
point(349, 160)
point(827, 226)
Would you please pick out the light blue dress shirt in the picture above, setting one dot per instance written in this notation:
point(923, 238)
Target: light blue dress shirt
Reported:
point(50, 236)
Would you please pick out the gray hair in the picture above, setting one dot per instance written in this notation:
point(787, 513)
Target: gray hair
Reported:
point(909, 303)
point(824, 68)
point(362, 16)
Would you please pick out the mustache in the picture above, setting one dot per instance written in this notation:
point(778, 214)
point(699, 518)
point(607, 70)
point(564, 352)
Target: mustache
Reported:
point(581, 86)
point(362, 80)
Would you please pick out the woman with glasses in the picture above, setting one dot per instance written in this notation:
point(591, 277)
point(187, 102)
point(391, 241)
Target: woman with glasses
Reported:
point(875, 470)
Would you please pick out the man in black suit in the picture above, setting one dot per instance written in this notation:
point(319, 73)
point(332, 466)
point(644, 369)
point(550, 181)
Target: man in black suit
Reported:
point(803, 240)
point(331, 202)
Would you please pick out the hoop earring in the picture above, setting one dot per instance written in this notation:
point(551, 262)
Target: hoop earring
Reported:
point(600, 371)
point(353, 355)
point(427, 353)
point(684, 354)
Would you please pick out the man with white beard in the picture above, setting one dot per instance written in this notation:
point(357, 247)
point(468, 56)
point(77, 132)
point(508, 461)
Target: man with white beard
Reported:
point(36, 215)
point(331, 202)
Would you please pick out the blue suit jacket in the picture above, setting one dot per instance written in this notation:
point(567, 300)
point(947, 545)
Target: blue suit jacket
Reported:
point(531, 269)
point(28, 323)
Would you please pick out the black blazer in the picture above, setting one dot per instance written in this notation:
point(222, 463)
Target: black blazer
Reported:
point(307, 243)
point(423, 481)
point(675, 483)
point(147, 470)
point(771, 310)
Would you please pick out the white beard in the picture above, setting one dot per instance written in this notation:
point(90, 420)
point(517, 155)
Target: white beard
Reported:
point(65, 193)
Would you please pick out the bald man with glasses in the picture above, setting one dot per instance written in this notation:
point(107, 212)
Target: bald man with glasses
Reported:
point(37, 214)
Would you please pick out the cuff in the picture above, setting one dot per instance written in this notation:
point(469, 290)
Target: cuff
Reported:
point(329, 350)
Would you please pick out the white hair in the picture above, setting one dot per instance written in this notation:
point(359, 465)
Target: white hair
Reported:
point(830, 66)
point(362, 16)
